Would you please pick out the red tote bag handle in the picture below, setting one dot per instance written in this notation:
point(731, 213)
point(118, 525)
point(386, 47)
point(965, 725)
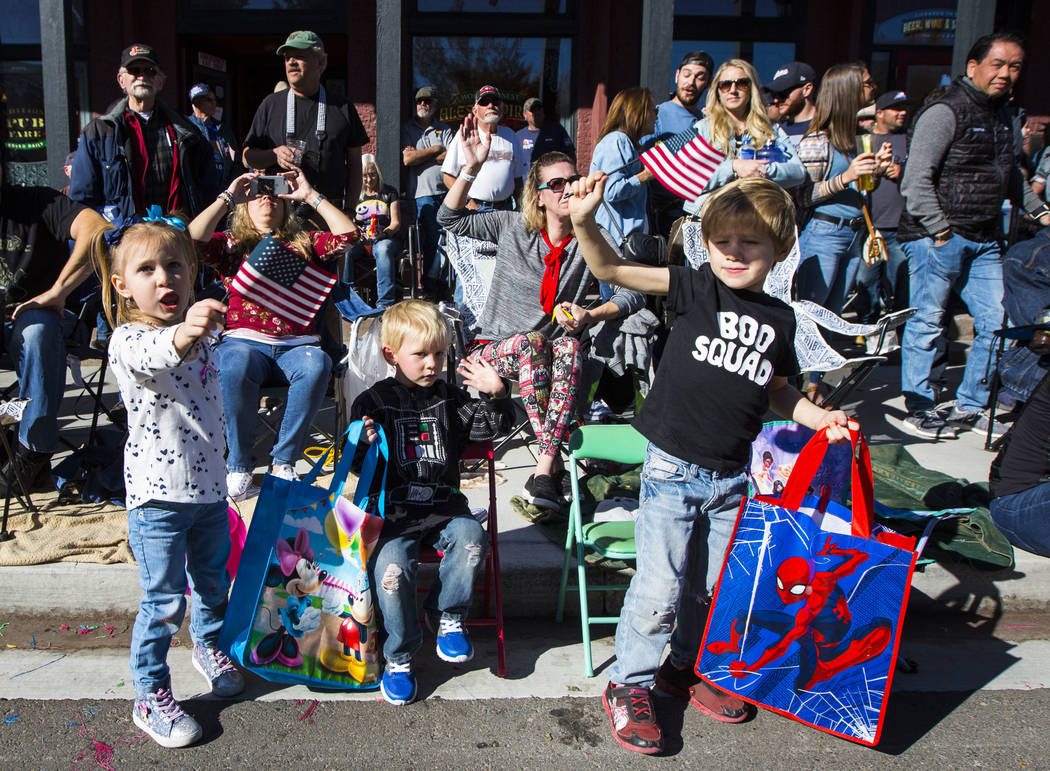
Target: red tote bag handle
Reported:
point(861, 485)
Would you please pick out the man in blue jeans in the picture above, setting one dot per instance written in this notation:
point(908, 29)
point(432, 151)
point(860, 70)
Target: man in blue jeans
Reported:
point(37, 274)
point(424, 141)
point(960, 168)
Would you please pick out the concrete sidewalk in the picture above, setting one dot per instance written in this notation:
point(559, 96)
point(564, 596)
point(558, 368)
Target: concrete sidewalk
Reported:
point(532, 564)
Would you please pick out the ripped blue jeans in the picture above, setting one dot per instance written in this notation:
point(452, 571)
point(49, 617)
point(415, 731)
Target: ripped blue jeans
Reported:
point(170, 540)
point(685, 519)
point(394, 567)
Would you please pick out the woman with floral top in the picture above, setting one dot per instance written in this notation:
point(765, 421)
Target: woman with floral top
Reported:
point(262, 345)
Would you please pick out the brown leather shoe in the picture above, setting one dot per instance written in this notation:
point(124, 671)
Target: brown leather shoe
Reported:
point(630, 711)
point(719, 704)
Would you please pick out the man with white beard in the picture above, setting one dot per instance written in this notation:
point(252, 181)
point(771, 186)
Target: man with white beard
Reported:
point(494, 186)
point(141, 152)
point(425, 141)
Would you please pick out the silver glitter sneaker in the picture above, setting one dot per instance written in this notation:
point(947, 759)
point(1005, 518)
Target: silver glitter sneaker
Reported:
point(159, 715)
point(223, 677)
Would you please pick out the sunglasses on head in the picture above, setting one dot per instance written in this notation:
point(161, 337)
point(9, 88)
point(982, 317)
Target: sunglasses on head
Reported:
point(557, 184)
point(148, 71)
point(487, 101)
point(726, 85)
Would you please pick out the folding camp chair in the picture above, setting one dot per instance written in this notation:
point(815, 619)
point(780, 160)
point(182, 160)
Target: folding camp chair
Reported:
point(611, 540)
point(492, 589)
point(812, 350)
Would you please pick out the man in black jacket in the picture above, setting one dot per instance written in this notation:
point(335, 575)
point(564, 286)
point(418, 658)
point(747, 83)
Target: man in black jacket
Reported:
point(960, 168)
point(142, 153)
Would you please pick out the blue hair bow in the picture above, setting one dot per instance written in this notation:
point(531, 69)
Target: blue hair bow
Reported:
point(153, 214)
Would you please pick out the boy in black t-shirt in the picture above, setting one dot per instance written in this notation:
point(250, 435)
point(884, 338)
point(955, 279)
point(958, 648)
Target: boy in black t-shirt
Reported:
point(727, 360)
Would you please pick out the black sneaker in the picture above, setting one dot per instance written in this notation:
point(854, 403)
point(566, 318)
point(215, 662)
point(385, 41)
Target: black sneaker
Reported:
point(563, 483)
point(977, 421)
point(541, 491)
point(630, 711)
point(928, 423)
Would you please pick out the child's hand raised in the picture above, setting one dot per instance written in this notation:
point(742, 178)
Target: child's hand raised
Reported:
point(586, 196)
point(201, 318)
point(478, 373)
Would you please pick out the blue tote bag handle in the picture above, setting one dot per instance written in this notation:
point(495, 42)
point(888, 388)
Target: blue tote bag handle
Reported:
point(372, 477)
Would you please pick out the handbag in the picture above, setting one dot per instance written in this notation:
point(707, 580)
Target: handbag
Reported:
point(806, 618)
point(301, 609)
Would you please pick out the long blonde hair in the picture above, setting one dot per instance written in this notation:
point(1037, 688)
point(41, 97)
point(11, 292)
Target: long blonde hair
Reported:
point(723, 129)
point(109, 261)
point(290, 232)
point(841, 95)
point(534, 217)
point(627, 113)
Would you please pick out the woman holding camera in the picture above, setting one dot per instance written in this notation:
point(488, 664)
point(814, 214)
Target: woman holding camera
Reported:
point(261, 345)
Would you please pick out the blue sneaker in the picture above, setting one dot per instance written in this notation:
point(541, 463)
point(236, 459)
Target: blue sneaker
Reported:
point(398, 683)
point(453, 644)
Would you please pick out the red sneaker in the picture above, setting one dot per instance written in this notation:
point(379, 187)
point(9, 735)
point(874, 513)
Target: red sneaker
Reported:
point(634, 726)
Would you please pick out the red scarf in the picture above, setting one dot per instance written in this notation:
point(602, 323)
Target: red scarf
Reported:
point(141, 156)
point(551, 272)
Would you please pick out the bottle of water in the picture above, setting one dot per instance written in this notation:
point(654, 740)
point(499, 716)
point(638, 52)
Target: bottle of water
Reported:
point(747, 150)
point(771, 152)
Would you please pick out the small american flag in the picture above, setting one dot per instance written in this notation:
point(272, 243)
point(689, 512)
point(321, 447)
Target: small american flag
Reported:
point(683, 163)
point(281, 280)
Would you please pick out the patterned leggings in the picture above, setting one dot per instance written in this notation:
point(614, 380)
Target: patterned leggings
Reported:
point(546, 372)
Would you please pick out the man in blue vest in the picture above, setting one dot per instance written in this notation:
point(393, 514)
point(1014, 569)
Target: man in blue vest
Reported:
point(961, 167)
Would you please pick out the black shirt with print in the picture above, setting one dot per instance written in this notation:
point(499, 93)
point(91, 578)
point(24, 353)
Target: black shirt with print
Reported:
point(35, 225)
point(711, 389)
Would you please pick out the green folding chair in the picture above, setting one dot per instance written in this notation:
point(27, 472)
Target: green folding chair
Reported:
point(612, 540)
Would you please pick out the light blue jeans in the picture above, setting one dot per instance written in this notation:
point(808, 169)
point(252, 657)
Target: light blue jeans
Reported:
point(385, 252)
point(829, 263)
point(1023, 518)
point(976, 271)
point(245, 366)
point(394, 568)
point(170, 540)
point(686, 517)
point(36, 344)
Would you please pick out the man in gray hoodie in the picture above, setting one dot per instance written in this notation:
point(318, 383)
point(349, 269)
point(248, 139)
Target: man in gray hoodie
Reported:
point(960, 169)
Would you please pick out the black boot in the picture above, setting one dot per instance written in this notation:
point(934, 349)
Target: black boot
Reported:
point(34, 468)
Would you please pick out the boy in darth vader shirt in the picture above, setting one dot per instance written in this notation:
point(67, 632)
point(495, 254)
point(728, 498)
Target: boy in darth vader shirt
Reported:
point(427, 422)
point(726, 362)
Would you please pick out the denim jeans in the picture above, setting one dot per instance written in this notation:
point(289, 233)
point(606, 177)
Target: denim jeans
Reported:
point(394, 566)
point(686, 517)
point(829, 263)
point(976, 271)
point(1023, 518)
point(426, 215)
point(869, 279)
point(245, 366)
point(36, 342)
point(170, 540)
point(385, 252)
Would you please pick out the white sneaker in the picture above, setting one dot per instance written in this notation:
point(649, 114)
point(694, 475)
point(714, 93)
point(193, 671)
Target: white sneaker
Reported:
point(284, 471)
point(239, 485)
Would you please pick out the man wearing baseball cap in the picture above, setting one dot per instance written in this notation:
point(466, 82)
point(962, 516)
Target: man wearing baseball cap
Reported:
point(306, 127)
point(525, 138)
point(424, 141)
point(891, 113)
point(793, 90)
point(497, 183)
point(141, 152)
point(204, 114)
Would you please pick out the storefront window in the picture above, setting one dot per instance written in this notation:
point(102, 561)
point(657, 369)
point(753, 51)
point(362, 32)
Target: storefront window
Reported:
point(915, 22)
point(765, 56)
point(21, 22)
point(733, 7)
point(518, 67)
point(24, 147)
point(491, 6)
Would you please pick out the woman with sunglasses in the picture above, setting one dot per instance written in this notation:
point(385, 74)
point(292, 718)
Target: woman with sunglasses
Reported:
point(632, 115)
point(735, 112)
point(535, 304)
